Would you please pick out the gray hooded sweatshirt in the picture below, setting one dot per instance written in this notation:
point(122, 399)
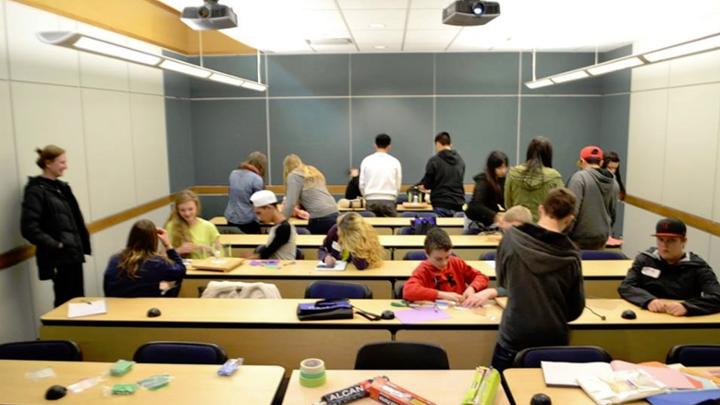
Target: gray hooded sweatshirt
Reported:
point(541, 271)
point(597, 194)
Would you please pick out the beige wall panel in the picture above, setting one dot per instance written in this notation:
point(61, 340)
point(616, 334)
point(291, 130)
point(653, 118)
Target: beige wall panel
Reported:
point(638, 226)
point(714, 259)
point(102, 72)
point(698, 242)
point(703, 68)
point(150, 147)
point(4, 74)
point(105, 244)
point(10, 189)
point(48, 114)
point(646, 144)
point(109, 152)
point(32, 60)
point(145, 79)
point(16, 311)
point(691, 147)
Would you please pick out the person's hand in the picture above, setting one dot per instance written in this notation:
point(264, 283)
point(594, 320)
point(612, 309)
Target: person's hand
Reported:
point(330, 261)
point(422, 188)
point(675, 308)
point(163, 236)
point(302, 214)
point(450, 296)
point(186, 248)
point(656, 305)
point(468, 292)
point(479, 298)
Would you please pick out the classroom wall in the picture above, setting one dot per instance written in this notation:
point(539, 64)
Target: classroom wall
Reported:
point(108, 115)
point(674, 138)
point(328, 109)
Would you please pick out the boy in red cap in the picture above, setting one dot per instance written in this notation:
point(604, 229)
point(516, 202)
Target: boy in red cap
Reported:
point(666, 279)
point(597, 193)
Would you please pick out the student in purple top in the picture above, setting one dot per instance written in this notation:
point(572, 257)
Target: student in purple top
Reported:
point(353, 240)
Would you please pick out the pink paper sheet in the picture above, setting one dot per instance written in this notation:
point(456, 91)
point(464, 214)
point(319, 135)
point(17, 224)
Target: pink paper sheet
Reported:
point(420, 315)
point(671, 378)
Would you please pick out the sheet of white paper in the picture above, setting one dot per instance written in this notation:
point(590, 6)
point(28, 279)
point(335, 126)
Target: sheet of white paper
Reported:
point(339, 266)
point(86, 308)
point(490, 263)
point(566, 374)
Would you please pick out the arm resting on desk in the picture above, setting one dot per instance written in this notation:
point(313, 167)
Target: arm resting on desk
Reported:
point(631, 288)
point(709, 302)
point(282, 236)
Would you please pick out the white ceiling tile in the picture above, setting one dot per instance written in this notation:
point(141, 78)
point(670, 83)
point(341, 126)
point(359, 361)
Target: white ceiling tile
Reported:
point(372, 4)
point(423, 47)
point(379, 37)
point(431, 36)
point(436, 4)
point(362, 19)
point(397, 47)
point(426, 19)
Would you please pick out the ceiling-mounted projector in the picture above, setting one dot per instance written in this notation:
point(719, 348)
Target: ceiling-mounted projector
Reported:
point(470, 12)
point(209, 16)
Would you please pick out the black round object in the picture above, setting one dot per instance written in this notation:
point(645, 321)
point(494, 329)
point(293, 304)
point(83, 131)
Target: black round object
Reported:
point(387, 314)
point(153, 312)
point(628, 314)
point(55, 392)
point(540, 399)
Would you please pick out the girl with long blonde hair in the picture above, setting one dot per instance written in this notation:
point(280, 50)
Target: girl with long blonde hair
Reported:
point(139, 270)
point(191, 235)
point(305, 188)
point(353, 240)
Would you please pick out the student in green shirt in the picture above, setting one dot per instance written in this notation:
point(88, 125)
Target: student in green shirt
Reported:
point(191, 236)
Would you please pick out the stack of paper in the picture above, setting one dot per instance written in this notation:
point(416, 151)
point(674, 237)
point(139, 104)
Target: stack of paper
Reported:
point(86, 308)
point(621, 386)
point(566, 374)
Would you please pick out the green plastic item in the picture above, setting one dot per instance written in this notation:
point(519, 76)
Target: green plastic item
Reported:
point(155, 382)
point(484, 387)
point(124, 389)
point(121, 367)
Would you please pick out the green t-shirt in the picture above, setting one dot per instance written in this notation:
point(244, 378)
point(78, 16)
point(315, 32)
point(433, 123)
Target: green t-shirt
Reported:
point(202, 232)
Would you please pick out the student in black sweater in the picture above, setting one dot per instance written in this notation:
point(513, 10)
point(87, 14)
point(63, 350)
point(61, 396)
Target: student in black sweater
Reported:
point(139, 270)
point(488, 196)
point(444, 175)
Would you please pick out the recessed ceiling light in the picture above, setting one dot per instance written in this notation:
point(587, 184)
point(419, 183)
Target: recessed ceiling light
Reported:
point(379, 46)
point(376, 25)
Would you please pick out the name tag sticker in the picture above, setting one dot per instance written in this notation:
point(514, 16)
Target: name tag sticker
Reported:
point(336, 246)
point(650, 272)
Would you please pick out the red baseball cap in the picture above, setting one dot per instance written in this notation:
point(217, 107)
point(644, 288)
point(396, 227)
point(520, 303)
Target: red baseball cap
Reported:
point(591, 151)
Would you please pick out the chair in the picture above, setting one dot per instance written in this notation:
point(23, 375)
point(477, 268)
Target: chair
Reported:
point(602, 255)
point(419, 214)
point(406, 230)
point(459, 214)
point(337, 290)
point(401, 356)
point(401, 198)
point(531, 357)
point(299, 255)
point(488, 256)
point(398, 290)
point(694, 355)
point(415, 255)
point(180, 353)
point(49, 350)
point(367, 214)
point(301, 230)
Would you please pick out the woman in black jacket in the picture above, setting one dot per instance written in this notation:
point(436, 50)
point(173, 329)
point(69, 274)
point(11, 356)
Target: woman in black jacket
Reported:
point(51, 220)
point(487, 199)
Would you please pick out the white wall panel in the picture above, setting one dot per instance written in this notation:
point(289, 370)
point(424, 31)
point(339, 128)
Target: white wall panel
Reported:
point(691, 148)
point(638, 226)
point(42, 293)
point(32, 60)
point(149, 147)
point(646, 144)
point(100, 71)
point(105, 244)
point(109, 151)
point(698, 242)
point(15, 291)
point(47, 114)
point(145, 79)
point(3, 43)
point(9, 185)
point(714, 259)
point(703, 68)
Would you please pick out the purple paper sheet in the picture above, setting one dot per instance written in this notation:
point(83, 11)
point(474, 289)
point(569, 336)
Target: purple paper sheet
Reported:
point(272, 263)
point(420, 315)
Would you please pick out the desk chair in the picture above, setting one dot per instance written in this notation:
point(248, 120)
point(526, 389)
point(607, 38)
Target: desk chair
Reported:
point(419, 214)
point(694, 355)
point(398, 290)
point(180, 353)
point(602, 255)
point(49, 350)
point(488, 256)
point(337, 290)
point(367, 214)
point(415, 255)
point(531, 357)
point(302, 230)
point(401, 356)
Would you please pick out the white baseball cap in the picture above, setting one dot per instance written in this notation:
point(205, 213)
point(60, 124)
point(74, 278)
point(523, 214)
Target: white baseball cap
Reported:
point(262, 198)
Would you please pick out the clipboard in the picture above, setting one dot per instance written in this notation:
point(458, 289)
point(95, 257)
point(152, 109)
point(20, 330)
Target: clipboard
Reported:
point(222, 264)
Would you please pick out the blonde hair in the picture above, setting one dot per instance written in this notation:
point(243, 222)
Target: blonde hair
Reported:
point(312, 176)
point(518, 213)
point(180, 228)
point(360, 239)
point(48, 153)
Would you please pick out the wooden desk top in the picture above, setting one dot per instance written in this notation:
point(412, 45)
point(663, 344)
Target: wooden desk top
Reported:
point(388, 241)
point(526, 382)
point(439, 386)
point(261, 313)
point(379, 222)
point(192, 384)
point(391, 269)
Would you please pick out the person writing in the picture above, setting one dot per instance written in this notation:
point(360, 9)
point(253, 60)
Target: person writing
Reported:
point(353, 240)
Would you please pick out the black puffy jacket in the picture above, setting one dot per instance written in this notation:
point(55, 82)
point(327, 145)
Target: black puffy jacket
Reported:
point(51, 216)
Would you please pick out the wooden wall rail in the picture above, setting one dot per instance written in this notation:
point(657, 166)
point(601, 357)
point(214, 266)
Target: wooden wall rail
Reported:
point(703, 224)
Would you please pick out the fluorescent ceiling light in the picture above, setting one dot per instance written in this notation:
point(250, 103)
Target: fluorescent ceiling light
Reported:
point(185, 68)
point(539, 83)
point(376, 25)
point(222, 78)
point(570, 76)
point(687, 48)
point(615, 65)
point(379, 46)
point(254, 86)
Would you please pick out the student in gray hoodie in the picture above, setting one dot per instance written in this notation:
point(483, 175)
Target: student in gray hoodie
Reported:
point(597, 195)
point(540, 268)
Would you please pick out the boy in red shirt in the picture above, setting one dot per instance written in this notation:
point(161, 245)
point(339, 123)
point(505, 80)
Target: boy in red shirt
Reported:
point(446, 277)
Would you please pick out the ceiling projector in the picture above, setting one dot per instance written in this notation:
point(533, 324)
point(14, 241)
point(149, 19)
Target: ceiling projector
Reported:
point(209, 16)
point(468, 12)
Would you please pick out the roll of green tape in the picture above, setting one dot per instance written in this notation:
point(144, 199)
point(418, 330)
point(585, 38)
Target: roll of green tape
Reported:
point(313, 382)
point(313, 375)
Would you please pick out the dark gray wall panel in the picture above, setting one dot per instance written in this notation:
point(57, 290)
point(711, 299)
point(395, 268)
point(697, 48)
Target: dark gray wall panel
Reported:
point(176, 84)
point(617, 82)
point(309, 75)
point(316, 130)
point(213, 205)
point(570, 122)
point(391, 74)
point(242, 66)
point(181, 161)
point(409, 123)
point(557, 62)
point(224, 133)
point(477, 73)
point(478, 126)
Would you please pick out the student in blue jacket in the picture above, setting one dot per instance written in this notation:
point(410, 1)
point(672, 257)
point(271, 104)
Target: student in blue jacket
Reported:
point(139, 270)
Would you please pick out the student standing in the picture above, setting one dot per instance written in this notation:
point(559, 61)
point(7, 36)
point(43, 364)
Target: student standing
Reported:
point(488, 197)
point(444, 175)
point(51, 220)
point(281, 243)
point(381, 178)
point(244, 181)
point(612, 163)
point(306, 187)
point(352, 240)
point(597, 195)
point(191, 235)
point(527, 184)
point(352, 190)
point(139, 270)
point(540, 268)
